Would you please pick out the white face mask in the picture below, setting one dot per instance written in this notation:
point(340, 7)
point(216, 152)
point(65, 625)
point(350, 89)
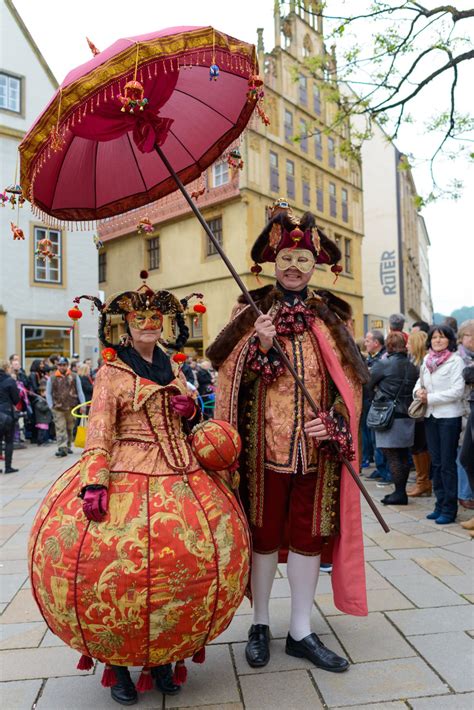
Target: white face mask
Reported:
point(301, 259)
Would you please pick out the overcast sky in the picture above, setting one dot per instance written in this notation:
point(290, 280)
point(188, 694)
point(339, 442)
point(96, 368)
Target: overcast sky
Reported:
point(59, 27)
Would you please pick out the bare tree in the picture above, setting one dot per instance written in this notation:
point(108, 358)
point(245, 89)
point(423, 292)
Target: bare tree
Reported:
point(410, 48)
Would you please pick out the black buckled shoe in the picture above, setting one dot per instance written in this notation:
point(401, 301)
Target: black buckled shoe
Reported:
point(312, 648)
point(124, 691)
point(163, 677)
point(257, 650)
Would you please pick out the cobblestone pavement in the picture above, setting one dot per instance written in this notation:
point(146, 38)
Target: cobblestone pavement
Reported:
point(414, 650)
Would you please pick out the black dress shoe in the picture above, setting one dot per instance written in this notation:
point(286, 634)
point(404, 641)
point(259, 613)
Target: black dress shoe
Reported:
point(60, 453)
point(257, 650)
point(124, 691)
point(11, 470)
point(395, 499)
point(312, 648)
point(163, 677)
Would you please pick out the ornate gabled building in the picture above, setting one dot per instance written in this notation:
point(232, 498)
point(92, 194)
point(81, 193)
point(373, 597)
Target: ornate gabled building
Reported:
point(297, 156)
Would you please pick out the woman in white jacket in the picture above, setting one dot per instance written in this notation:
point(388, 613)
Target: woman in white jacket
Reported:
point(441, 386)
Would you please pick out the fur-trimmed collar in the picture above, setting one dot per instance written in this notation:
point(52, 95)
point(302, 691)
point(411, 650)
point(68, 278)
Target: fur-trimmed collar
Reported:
point(333, 311)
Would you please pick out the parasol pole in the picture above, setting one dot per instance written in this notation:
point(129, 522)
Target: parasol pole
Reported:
point(276, 344)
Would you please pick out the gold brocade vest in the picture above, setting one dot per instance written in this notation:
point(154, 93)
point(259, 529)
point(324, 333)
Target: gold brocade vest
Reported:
point(287, 448)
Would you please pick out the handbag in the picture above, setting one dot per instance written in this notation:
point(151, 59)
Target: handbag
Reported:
point(417, 409)
point(382, 413)
point(81, 433)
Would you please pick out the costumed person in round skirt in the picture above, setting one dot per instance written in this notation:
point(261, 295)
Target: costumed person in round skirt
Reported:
point(297, 494)
point(137, 555)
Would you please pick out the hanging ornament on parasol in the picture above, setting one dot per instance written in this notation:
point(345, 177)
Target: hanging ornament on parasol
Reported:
point(44, 250)
point(234, 160)
point(17, 232)
point(133, 97)
point(255, 95)
point(200, 189)
point(144, 226)
point(3, 198)
point(16, 195)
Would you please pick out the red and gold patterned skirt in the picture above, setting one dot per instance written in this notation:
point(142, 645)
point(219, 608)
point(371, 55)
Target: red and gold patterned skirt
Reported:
point(157, 579)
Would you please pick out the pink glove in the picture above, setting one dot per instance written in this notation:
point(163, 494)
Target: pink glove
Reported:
point(183, 405)
point(95, 503)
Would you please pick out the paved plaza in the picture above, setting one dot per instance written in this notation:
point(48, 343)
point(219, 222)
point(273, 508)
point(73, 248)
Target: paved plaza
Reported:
point(414, 650)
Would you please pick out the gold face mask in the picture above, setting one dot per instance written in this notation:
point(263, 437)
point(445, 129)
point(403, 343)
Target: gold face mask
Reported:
point(145, 320)
point(301, 259)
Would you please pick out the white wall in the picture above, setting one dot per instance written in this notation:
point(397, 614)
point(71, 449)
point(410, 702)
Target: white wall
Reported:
point(21, 301)
point(380, 254)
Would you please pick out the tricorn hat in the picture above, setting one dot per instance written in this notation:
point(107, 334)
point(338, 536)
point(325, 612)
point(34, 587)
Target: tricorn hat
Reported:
point(285, 231)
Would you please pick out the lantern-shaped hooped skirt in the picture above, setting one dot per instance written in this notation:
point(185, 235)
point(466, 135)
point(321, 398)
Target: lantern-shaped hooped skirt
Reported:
point(161, 576)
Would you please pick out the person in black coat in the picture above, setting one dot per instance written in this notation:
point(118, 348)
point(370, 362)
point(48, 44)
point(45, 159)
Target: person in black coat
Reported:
point(9, 398)
point(393, 380)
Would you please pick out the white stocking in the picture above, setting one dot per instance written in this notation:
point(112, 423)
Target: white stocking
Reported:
point(263, 574)
point(303, 573)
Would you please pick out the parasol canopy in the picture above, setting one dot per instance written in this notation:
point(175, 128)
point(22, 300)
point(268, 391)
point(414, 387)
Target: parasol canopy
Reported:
point(91, 153)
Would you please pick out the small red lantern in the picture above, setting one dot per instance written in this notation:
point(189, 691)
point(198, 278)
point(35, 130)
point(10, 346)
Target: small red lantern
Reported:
point(109, 354)
point(180, 358)
point(75, 313)
point(216, 444)
point(199, 308)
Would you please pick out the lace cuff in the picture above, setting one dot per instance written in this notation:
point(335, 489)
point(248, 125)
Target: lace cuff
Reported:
point(267, 365)
point(337, 427)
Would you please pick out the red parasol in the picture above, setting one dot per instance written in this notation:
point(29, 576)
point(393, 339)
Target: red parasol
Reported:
point(90, 154)
point(145, 116)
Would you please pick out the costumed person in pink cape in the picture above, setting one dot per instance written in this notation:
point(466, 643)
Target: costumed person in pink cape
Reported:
point(301, 503)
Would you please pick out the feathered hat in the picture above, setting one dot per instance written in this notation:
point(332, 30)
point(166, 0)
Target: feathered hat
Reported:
point(285, 231)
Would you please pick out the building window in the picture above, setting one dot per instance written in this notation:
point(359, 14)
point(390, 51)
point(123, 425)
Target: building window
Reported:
point(274, 177)
point(303, 136)
point(303, 90)
point(288, 126)
point(10, 93)
point(344, 205)
point(320, 198)
point(153, 247)
point(348, 255)
point(318, 145)
point(196, 327)
point(331, 153)
point(332, 200)
point(220, 174)
point(316, 99)
point(102, 267)
point(290, 179)
point(48, 270)
point(215, 225)
point(39, 341)
point(306, 195)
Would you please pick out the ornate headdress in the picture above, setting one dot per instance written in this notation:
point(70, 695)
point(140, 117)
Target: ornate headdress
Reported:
point(285, 231)
point(144, 298)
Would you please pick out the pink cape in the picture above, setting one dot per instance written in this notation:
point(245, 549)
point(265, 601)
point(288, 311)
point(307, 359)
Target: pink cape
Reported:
point(348, 575)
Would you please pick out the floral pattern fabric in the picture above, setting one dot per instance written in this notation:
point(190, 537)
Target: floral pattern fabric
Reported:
point(165, 571)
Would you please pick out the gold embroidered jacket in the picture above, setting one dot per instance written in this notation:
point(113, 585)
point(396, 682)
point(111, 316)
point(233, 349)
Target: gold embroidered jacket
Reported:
point(133, 428)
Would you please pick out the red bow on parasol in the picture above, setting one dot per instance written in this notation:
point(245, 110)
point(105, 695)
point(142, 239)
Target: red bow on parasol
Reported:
point(145, 116)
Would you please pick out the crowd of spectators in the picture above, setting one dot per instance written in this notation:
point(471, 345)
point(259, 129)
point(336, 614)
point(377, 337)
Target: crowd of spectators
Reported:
point(35, 408)
point(434, 365)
